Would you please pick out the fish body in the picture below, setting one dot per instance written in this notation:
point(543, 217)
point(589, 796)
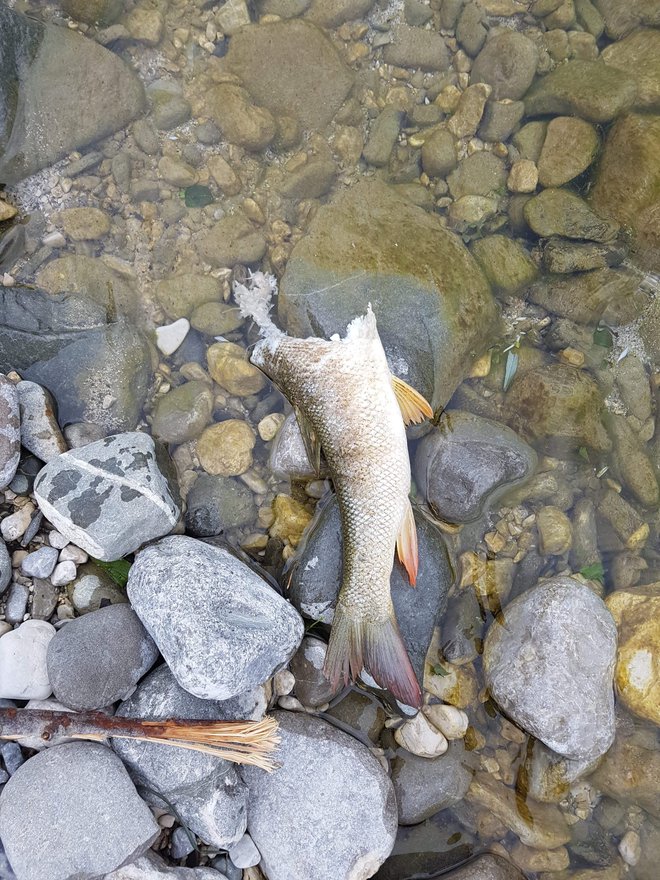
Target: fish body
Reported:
point(344, 390)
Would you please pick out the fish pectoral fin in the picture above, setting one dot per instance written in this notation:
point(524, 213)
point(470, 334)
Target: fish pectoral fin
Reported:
point(311, 441)
point(406, 544)
point(413, 405)
point(375, 645)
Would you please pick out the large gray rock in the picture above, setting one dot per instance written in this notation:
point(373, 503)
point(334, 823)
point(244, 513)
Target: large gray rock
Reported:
point(206, 791)
point(152, 867)
point(327, 813)
point(460, 466)
point(10, 431)
point(59, 91)
point(221, 628)
point(99, 658)
point(316, 578)
point(108, 497)
point(434, 307)
point(549, 663)
point(425, 786)
point(72, 812)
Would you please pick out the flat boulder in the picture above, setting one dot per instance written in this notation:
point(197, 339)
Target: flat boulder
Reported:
point(591, 90)
point(434, 307)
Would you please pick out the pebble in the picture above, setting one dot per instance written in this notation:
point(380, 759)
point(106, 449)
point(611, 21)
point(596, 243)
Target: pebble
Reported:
point(224, 175)
point(10, 437)
point(56, 539)
point(40, 563)
point(55, 799)
point(555, 531)
point(44, 599)
point(146, 25)
point(244, 854)
point(108, 497)
point(63, 573)
point(170, 336)
point(421, 738)
point(449, 720)
point(508, 64)
point(270, 425)
point(183, 413)
point(40, 432)
point(5, 567)
point(12, 757)
point(83, 224)
point(230, 368)
point(176, 172)
point(220, 627)
point(216, 504)
point(83, 673)
point(225, 449)
point(16, 603)
point(630, 848)
point(71, 553)
point(523, 176)
point(23, 671)
point(15, 525)
point(465, 121)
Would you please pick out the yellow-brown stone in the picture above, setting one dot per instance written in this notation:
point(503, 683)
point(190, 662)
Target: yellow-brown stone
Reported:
point(229, 366)
point(636, 612)
point(291, 518)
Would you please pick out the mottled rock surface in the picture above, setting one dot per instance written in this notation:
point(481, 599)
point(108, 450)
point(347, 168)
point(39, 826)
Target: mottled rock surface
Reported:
point(220, 627)
point(108, 497)
point(10, 431)
point(68, 794)
point(303, 817)
point(589, 89)
point(550, 666)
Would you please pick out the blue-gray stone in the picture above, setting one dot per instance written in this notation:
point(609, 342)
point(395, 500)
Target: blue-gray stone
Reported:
point(220, 627)
point(12, 756)
point(108, 497)
point(63, 796)
point(16, 604)
point(425, 786)
point(99, 658)
point(40, 563)
point(5, 566)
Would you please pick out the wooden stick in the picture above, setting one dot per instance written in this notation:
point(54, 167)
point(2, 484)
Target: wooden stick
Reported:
point(243, 742)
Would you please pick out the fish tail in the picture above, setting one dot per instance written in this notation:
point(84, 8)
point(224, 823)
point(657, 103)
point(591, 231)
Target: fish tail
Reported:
point(376, 646)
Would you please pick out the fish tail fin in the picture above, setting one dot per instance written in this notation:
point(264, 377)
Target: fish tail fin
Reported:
point(254, 300)
point(376, 646)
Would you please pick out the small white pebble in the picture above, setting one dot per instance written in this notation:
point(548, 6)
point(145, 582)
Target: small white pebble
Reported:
point(630, 848)
point(421, 738)
point(54, 240)
point(170, 336)
point(166, 820)
point(57, 540)
point(270, 425)
point(71, 553)
point(292, 704)
point(283, 682)
point(64, 573)
point(8, 280)
point(449, 720)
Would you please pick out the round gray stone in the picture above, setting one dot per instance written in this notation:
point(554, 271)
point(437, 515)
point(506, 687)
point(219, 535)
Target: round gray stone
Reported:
point(425, 786)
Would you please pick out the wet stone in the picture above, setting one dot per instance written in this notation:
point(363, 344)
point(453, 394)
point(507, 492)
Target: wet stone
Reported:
point(529, 140)
point(638, 56)
point(217, 504)
point(439, 153)
point(294, 811)
point(551, 667)
point(459, 466)
point(505, 262)
point(232, 240)
point(569, 148)
point(169, 111)
point(471, 29)
point(507, 63)
point(361, 714)
point(220, 627)
point(182, 413)
point(90, 277)
point(181, 294)
point(225, 449)
point(10, 436)
point(84, 674)
point(560, 212)
point(23, 673)
point(382, 137)
point(480, 174)
point(630, 772)
point(54, 800)
point(588, 89)
point(416, 47)
point(108, 497)
point(206, 791)
point(314, 586)
point(83, 224)
point(40, 432)
point(216, 319)
point(425, 786)
point(462, 628)
point(500, 119)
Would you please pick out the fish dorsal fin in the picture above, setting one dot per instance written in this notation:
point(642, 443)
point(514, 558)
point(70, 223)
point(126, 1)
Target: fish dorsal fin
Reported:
point(406, 544)
point(311, 441)
point(413, 405)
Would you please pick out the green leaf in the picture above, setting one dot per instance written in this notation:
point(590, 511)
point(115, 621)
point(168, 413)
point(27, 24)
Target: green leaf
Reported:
point(593, 572)
point(440, 670)
point(197, 196)
point(582, 452)
point(117, 570)
point(603, 337)
point(510, 368)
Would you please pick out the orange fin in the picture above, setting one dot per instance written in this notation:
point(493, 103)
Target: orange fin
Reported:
point(406, 544)
point(413, 405)
point(376, 646)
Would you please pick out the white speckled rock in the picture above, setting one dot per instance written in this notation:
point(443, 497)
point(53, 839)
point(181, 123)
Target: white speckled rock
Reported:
point(220, 627)
point(99, 658)
point(206, 791)
point(23, 671)
point(10, 431)
point(549, 663)
point(40, 432)
point(108, 497)
point(72, 812)
point(327, 813)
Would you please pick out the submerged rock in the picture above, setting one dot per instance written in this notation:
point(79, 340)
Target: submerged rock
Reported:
point(570, 146)
point(108, 497)
point(460, 465)
point(507, 63)
point(589, 89)
point(630, 771)
point(64, 795)
point(60, 91)
point(434, 307)
point(424, 786)
point(585, 297)
point(485, 867)
point(316, 579)
point(206, 791)
point(638, 55)
point(560, 212)
point(305, 815)
point(550, 665)
point(220, 627)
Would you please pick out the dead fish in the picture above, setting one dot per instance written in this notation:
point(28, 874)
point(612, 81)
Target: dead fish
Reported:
point(349, 404)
